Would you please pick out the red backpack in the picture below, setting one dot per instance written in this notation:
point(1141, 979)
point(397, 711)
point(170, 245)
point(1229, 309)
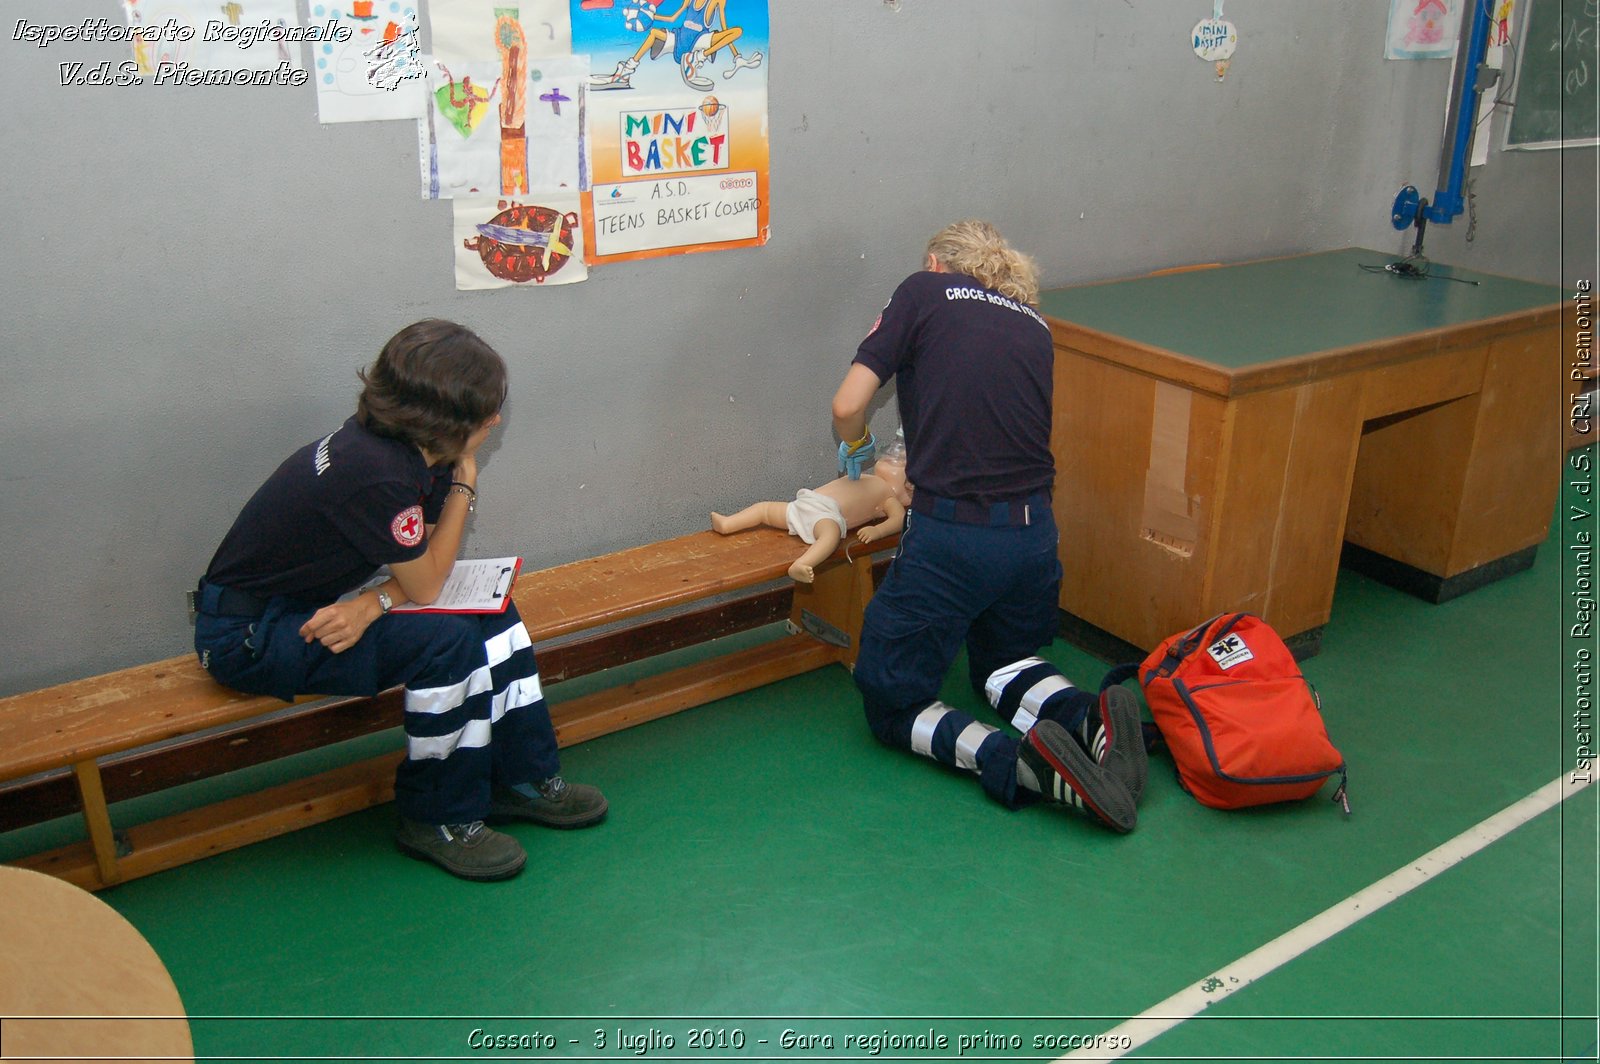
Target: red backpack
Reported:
point(1244, 726)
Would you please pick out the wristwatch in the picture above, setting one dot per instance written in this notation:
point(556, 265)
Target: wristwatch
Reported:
point(385, 603)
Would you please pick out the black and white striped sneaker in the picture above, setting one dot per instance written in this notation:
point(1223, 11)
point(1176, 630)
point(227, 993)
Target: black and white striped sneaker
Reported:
point(1068, 775)
point(1113, 737)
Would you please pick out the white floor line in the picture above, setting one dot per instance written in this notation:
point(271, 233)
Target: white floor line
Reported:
point(1193, 1000)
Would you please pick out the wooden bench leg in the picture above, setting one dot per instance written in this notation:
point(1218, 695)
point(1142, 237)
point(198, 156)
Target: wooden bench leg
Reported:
point(831, 608)
point(98, 820)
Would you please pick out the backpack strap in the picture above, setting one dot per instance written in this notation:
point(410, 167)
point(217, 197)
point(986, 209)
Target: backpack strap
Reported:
point(1147, 729)
point(1117, 674)
point(1341, 797)
point(1192, 641)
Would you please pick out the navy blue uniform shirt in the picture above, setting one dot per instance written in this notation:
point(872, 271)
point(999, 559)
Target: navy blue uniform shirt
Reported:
point(332, 513)
point(974, 380)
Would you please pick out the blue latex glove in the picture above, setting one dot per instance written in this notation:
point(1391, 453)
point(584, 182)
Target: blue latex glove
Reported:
point(852, 459)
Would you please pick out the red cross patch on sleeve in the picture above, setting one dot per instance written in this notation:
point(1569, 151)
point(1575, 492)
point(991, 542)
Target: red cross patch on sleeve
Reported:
point(407, 526)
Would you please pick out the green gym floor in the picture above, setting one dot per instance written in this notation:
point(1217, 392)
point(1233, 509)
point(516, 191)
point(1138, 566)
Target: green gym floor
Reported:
point(767, 867)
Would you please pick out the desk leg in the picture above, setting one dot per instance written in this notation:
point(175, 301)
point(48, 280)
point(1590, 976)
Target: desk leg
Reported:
point(98, 820)
point(1460, 493)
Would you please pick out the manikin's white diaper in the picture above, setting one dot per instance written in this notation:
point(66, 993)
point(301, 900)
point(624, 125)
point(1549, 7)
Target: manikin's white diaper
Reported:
point(808, 508)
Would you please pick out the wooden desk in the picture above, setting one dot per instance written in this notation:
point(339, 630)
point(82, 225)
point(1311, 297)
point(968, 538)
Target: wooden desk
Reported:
point(1221, 433)
point(78, 982)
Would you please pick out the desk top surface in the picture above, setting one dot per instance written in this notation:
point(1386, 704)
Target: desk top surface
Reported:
point(70, 964)
point(1258, 312)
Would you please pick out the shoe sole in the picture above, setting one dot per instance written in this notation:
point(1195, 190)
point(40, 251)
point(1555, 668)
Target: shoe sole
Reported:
point(477, 875)
point(1125, 754)
point(500, 814)
point(1104, 796)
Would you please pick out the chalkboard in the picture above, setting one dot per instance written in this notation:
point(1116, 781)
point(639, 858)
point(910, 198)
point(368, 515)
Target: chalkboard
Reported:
point(1557, 75)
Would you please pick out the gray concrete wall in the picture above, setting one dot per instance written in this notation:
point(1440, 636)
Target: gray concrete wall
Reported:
point(193, 276)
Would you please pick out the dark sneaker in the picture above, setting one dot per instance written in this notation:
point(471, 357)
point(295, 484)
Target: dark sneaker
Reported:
point(1113, 737)
point(1068, 775)
point(560, 804)
point(471, 851)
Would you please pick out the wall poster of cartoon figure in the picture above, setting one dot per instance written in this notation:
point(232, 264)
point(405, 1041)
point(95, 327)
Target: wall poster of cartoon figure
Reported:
point(676, 125)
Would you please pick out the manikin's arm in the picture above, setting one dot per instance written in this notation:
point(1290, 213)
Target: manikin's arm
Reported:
point(893, 524)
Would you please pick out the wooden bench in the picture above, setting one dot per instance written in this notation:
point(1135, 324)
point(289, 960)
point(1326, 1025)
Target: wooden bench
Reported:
point(76, 726)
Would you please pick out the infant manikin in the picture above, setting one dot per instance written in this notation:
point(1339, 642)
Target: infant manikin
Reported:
point(823, 516)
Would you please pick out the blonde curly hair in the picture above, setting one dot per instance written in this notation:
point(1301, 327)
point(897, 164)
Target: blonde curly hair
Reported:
point(977, 249)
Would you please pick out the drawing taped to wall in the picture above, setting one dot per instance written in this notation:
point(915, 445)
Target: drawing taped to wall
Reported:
point(505, 243)
point(523, 39)
point(1215, 39)
point(458, 29)
point(1422, 29)
point(677, 166)
point(462, 145)
point(235, 35)
point(375, 74)
point(558, 155)
point(151, 50)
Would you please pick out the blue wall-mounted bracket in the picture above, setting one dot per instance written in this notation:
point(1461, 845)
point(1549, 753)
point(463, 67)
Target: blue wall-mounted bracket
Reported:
point(1406, 205)
point(1448, 201)
point(1472, 77)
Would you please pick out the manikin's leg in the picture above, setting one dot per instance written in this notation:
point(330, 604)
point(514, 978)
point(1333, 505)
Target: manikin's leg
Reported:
point(827, 534)
point(771, 514)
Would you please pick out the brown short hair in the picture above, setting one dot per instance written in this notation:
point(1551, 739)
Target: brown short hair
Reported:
point(977, 249)
point(434, 383)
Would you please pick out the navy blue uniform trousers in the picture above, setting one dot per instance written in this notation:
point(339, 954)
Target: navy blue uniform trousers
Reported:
point(474, 709)
point(996, 587)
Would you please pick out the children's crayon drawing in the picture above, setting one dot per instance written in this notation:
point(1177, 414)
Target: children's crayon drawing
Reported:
point(376, 72)
point(466, 129)
point(462, 148)
point(465, 29)
point(1422, 29)
point(522, 38)
point(520, 241)
point(207, 35)
point(558, 90)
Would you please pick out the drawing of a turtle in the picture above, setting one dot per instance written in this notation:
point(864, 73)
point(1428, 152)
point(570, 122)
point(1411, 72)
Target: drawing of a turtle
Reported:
point(524, 243)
